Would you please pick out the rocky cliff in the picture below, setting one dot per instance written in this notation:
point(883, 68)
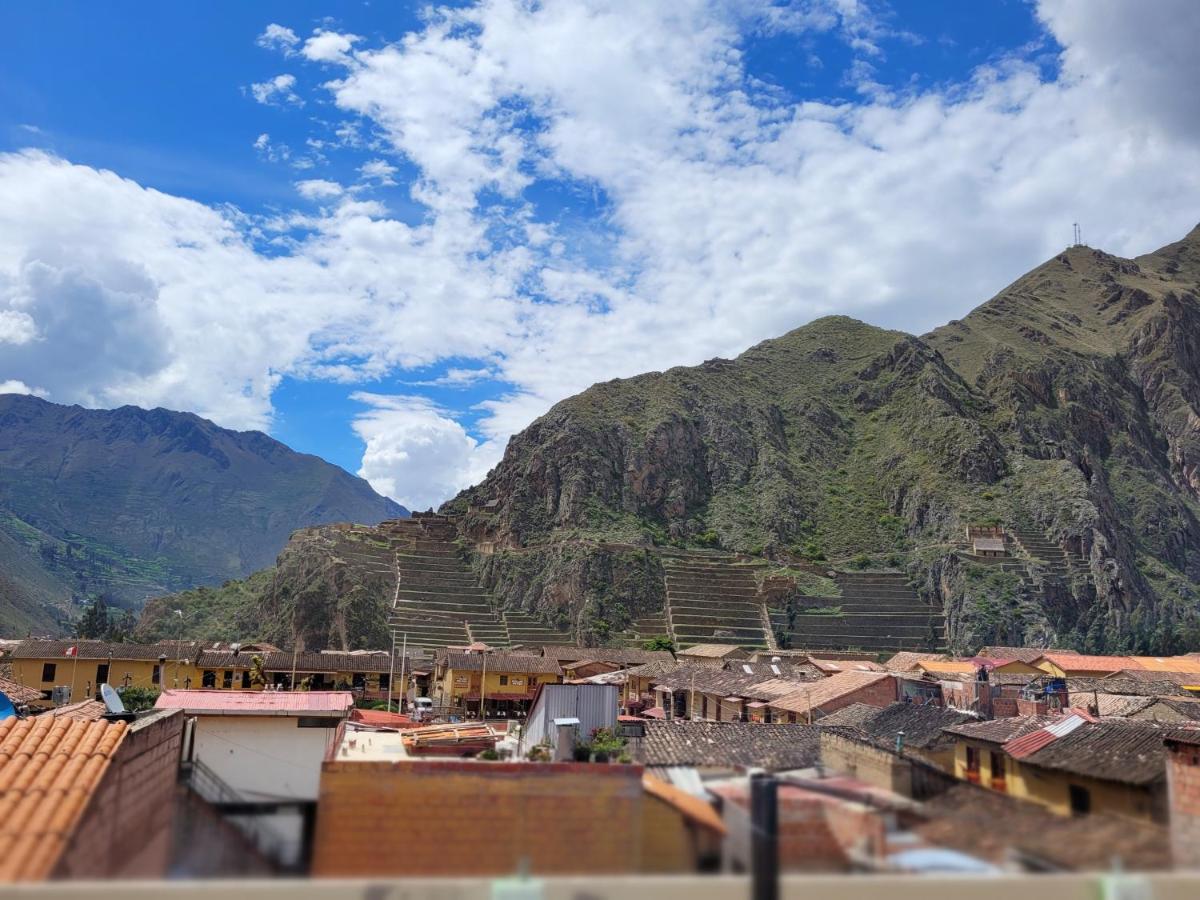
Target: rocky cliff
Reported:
point(1066, 406)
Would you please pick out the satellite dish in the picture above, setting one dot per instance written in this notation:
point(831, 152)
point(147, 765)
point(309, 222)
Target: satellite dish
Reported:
point(112, 700)
point(7, 710)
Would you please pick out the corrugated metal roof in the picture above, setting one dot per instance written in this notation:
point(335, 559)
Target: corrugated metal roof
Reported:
point(594, 705)
point(1026, 744)
point(256, 703)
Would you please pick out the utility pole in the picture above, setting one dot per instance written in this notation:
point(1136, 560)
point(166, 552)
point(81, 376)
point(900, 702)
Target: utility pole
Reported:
point(391, 672)
point(764, 836)
point(403, 683)
point(483, 686)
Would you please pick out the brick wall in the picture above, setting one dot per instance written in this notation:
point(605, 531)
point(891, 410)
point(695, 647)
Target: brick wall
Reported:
point(451, 817)
point(1183, 791)
point(125, 832)
point(872, 765)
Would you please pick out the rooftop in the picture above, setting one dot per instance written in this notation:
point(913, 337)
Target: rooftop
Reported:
point(45, 649)
point(49, 768)
point(17, 692)
point(620, 655)
point(922, 724)
point(992, 825)
point(503, 662)
point(1000, 731)
point(256, 703)
point(1119, 750)
point(819, 693)
point(729, 745)
point(1020, 654)
point(906, 660)
point(710, 651)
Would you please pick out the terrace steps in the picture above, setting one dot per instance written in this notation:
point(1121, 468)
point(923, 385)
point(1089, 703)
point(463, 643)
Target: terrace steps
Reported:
point(876, 611)
point(712, 599)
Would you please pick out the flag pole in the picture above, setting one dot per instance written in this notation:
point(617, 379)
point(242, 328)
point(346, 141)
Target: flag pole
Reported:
point(74, 669)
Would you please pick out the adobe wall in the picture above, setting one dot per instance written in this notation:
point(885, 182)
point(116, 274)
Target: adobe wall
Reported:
point(451, 817)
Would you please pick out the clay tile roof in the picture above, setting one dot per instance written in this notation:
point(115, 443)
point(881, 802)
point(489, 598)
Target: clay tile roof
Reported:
point(1187, 665)
point(620, 655)
point(1000, 731)
point(1020, 654)
point(709, 651)
point(826, 691)
point(906, 660)
point(256, 703)
point(1078, 662)
point(923, 725)
point(1120, 750)
point(855, 716)
point(503, 662)
point(49, 768)
point(17, 692)
point(85, 711)
point(690, 807)
point(993, 826)
point(39, 649)
point(949, 666)
point(729, 745)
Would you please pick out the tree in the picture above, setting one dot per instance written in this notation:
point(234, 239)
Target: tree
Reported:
point(137, 699)
point(94, 621)
point(659, 642)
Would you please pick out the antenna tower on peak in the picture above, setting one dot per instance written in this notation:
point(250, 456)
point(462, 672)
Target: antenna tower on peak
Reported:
point(1077, 235)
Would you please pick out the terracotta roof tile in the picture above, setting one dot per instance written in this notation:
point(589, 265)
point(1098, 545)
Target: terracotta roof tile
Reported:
point(729, 745)
point(49, 768)
point(17, 692)
point(39, 649)
point(503, 662)
point(84, 711)
point(827, 691)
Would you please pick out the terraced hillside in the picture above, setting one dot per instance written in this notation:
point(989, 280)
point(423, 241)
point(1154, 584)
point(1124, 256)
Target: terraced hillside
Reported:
point(876, 611)
point(712, 599)
point(439, 601)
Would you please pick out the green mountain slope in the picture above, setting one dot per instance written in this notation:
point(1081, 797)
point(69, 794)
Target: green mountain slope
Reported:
point(1066, 408)
point(141, 502)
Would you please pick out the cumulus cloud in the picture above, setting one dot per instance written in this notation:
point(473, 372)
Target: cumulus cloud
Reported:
point(415, 452)
point(378, 170)
point(329, 46)
point(277, 37)
point(319, 189)
point(729, 214)
point(277, 91)
point(19, 387)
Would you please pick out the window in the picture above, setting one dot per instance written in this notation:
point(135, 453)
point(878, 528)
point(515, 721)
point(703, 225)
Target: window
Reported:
point(1081, 800)
point(246, 680)
point(48, 670)
point(503, 680)
point(973, 755)
point(998, 782)
point(385, 681)
point(358, 681)
point(101, 674)
point(209, 679)
point(156, 675)
point(227, 679)
point(316, 722)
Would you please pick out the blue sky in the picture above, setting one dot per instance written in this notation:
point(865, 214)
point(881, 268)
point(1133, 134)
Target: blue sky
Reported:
point(392, 235)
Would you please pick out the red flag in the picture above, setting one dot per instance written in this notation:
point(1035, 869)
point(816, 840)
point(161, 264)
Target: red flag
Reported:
point(71, 651)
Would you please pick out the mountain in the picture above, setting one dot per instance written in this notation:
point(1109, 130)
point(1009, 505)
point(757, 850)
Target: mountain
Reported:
point(139, 502)
point(1065, 410)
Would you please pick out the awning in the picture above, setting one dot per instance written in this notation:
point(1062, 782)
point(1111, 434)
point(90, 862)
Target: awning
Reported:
point(475, 696)
point(733, 700)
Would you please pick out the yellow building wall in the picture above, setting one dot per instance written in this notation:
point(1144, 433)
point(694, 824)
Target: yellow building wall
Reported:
point(81, 675)
point(1052, 789)
point(457, 683)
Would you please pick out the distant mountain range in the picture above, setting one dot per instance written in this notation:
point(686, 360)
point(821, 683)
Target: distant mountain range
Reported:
point(138, 503)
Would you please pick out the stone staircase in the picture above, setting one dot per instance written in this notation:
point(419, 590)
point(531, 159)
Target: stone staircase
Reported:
point(1048, 554)
point(525, 630)
point(876, 612)
point(439, 601)
point(712, 599)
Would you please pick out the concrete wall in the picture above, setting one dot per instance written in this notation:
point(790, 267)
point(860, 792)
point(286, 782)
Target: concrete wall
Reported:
point(450, 817)
point(866, 763)
point(125, 831)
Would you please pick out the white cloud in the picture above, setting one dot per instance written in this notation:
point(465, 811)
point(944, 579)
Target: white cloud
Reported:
point(277, 91)
point(319, 189)
point(415, 453)
point(20, 387)
point(277, 37)
point(329, 46)
point(730, 214)
point(379, 171)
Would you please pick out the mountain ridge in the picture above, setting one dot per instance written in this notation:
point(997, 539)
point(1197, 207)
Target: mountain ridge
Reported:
point(135, 503)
